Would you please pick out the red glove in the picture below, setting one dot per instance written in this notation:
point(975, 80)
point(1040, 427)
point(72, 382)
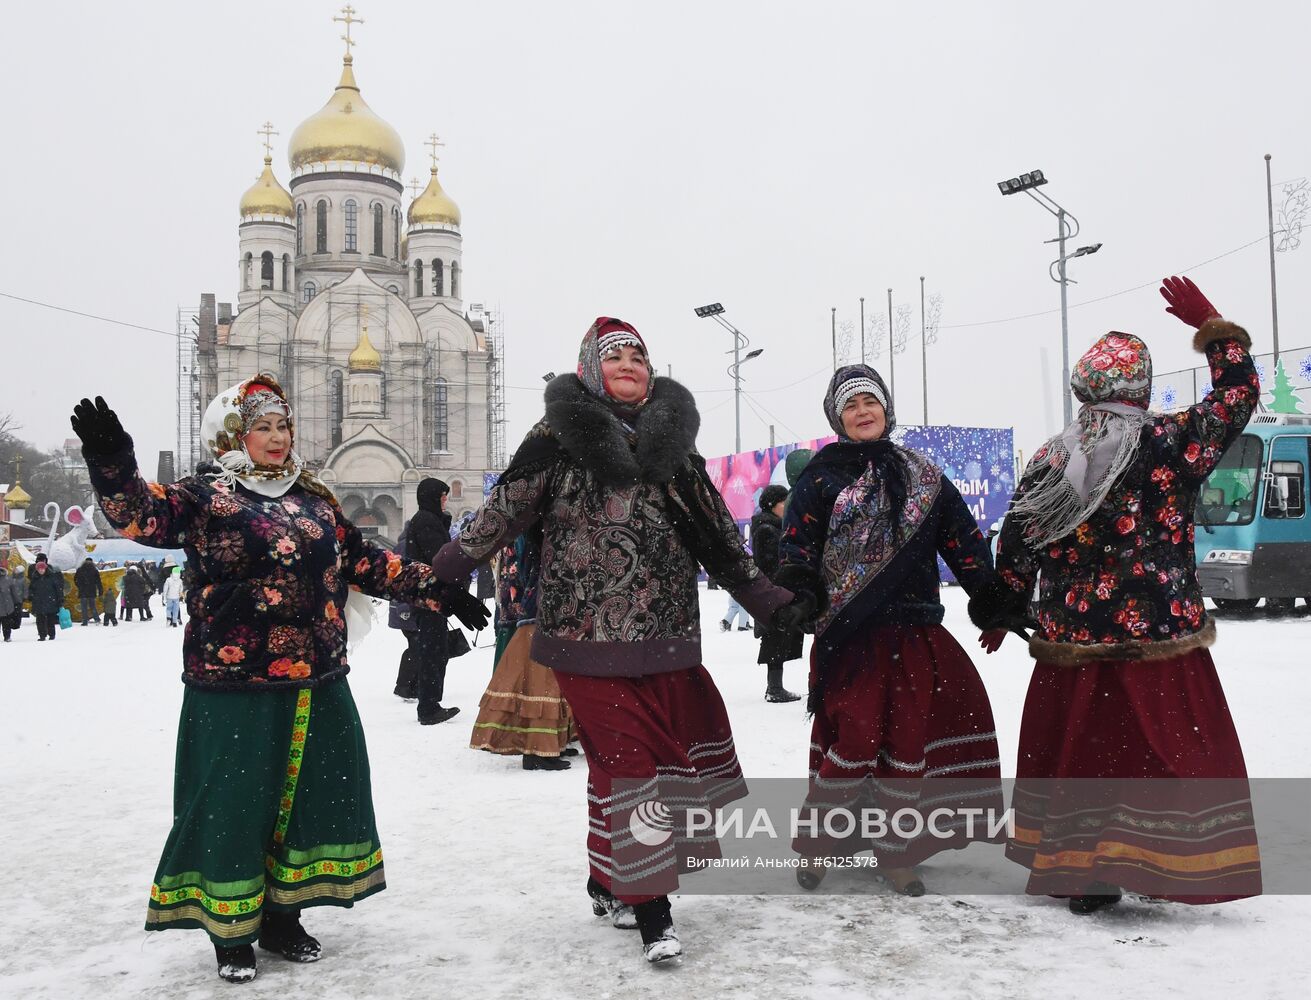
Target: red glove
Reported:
point(1187, 302)
point(991, 640)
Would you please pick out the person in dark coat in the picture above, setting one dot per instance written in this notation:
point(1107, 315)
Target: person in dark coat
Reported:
point(400, 616)
point(778, 644)
point(13, 589)
point(1124, 696)
point(89, 590)
point(612, 480)
point(430, 529)
point(45, 588)
point(135, 590)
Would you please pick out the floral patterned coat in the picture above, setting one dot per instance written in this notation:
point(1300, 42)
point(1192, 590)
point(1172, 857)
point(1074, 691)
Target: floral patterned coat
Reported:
point(267, 579)
point(1124, 584)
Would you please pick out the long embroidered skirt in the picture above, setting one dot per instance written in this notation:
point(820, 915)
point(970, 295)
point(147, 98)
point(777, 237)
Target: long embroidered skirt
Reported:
point(271, 808)
point(905, 727)
point(522, 710)
point(656, 746)
point(1168, 814)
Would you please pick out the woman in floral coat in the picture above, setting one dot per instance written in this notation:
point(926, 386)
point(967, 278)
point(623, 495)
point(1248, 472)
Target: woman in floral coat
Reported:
point(1124, 690)
point(626, 512)
point(271, 802)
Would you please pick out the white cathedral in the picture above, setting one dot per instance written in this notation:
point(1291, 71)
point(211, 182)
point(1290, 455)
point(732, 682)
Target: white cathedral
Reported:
point(359, 313)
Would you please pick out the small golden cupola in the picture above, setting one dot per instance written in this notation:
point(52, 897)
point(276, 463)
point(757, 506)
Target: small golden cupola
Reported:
point(365, 357)
point(266, 197)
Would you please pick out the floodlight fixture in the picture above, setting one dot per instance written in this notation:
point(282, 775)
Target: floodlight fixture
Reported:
point(714, 309)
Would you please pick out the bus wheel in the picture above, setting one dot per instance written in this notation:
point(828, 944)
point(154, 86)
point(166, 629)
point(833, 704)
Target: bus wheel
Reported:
point(1279, 605)
point(1236, 603)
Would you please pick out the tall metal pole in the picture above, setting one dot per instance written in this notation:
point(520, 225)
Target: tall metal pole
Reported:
point(834, 319)
point(862, 329)
point(1274, 299)
point(892, 356)
point(924, 353)
point(737, 393)
point(1067, 407)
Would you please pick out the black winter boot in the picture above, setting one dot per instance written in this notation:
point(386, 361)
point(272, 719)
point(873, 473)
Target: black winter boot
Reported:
point(532, 762)
point(281, 932)
point(236, 965)
point(774, 689)
point(659, 939)
point(605, 904)
point(1099, 896)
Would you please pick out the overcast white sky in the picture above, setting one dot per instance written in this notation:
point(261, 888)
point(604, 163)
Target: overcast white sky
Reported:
point(640, 159)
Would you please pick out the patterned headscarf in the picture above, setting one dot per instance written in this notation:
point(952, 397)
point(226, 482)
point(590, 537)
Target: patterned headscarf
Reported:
point(1113, 381)
point(227, 420)
point(605, 337)
point(852, 380)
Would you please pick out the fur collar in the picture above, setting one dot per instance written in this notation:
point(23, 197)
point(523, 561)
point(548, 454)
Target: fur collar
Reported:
point(591, 433)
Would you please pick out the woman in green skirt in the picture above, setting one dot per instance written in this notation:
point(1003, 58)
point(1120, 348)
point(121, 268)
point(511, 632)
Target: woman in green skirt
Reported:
point(272, 809)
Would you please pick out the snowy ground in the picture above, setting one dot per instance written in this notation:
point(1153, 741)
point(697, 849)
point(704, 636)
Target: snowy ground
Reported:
point(485, 862)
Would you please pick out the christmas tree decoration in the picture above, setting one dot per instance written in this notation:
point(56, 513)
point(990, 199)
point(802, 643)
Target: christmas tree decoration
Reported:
point(1283, 397)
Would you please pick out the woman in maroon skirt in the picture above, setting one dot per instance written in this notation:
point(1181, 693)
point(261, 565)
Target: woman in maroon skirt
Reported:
point(1130, 772)
point(611, 483)
point(901, 717)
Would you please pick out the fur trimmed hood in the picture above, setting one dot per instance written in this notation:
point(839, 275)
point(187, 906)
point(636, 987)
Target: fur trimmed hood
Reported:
point(595, 437)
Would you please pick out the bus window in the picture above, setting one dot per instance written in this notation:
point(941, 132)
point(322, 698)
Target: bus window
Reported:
point(1285, 497)
point(1229, 494)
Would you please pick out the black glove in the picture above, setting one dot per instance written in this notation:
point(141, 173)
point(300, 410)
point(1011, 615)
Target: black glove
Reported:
point(794, 615)
point(98, 427)
point(472, 613)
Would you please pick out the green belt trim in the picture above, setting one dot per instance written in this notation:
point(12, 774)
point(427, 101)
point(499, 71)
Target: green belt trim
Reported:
point(352, 868)
point(344, 892)
point(194, 894)
point(296, 753)
point(334, 852)
point(192, 915)
point(241, 887)
point(520, 729)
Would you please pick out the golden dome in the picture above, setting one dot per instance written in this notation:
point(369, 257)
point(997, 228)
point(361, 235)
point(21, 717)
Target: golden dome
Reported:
point(266, 196)
point(365, 357)
point(18, 498)
point(346, 131)
point(434, 205)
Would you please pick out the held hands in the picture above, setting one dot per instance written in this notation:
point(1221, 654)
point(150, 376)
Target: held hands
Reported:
point(991, 639)
point(458, 602)
point(794, 615)
point(1187, 302)
point(98, 427)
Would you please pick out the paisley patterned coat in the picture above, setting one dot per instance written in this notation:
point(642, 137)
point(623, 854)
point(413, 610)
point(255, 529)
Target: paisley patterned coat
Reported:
point(617, 590)
point(1123, 585)
point(267, 579)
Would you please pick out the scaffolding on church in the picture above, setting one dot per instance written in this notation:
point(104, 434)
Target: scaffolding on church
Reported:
point(496, 390)
point(188, 394)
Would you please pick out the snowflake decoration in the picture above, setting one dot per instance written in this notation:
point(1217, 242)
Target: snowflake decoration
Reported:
point(1304, 369)
point(995, 471)
point(1260, 373)
point(1168, 396)
point(1206, 389)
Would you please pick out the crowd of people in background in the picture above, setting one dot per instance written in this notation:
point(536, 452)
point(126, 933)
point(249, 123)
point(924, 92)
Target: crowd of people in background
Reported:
point(44, 590)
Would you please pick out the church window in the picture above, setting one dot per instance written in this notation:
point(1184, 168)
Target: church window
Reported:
point(437, 282)
point(396, 234)
point(440, 429)
point(335, 406)
point(455, 279)
point(377, 230)
point(352, 227)
point(394, 290)
point(266, 269)
point(457, 489)
point(245, 271)
point(418, 277)
point(300, 228)
point(309, 291)
point(321, 227)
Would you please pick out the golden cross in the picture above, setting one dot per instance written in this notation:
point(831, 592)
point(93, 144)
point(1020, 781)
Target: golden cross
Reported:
point(267, 132)
point(414, 187)
point(432, 144)
point(348, 20)
point(18, 470)
point(364, 314)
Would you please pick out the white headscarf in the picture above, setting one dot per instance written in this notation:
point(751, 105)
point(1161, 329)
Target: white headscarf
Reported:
point(227, 420)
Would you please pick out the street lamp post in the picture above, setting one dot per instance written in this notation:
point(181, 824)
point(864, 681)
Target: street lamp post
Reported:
point(715, 311)
point(1028, 183)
